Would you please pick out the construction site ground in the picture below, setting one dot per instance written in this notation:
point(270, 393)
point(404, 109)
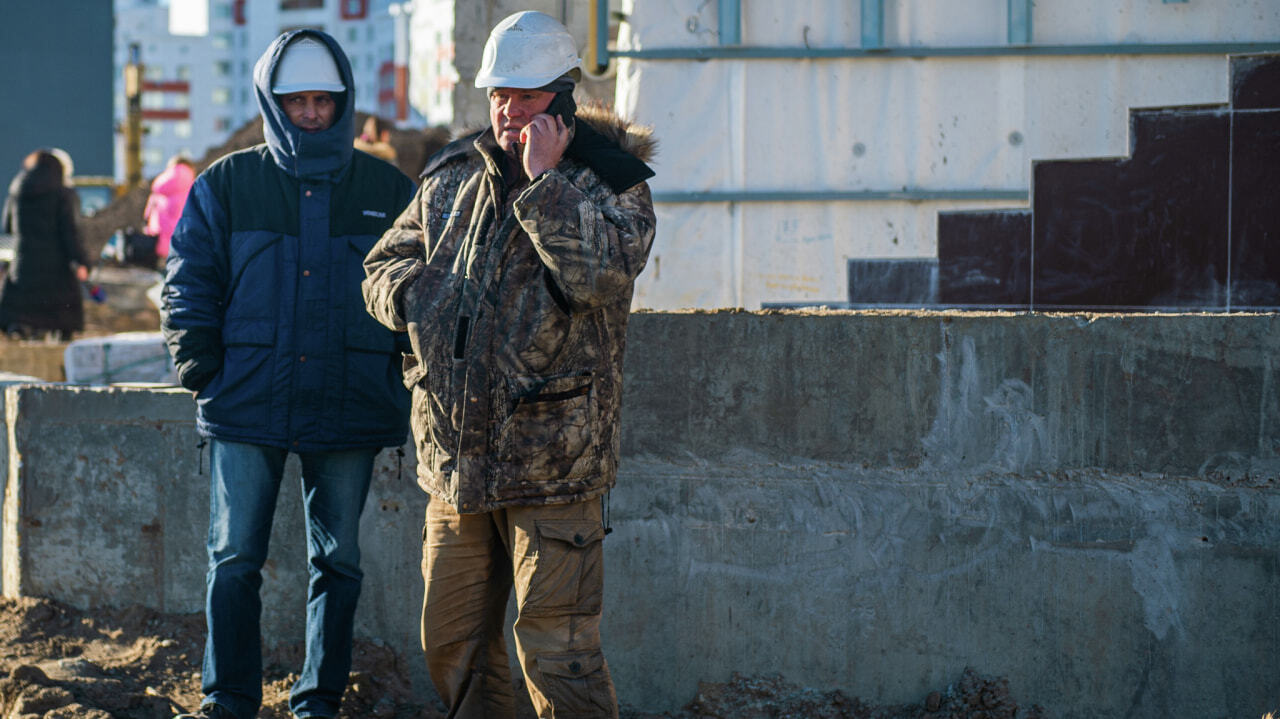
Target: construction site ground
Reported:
point(57, 662)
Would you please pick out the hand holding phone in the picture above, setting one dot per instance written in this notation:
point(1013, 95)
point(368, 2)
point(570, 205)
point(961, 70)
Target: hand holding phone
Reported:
point(545, 139)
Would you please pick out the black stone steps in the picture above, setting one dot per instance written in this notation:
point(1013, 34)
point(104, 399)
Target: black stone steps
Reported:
point(1188, 221)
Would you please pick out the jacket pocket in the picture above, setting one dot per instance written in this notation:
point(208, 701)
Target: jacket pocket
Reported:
point(254, 287)
point(240, 394)
point(412, 370)
point(550, 428)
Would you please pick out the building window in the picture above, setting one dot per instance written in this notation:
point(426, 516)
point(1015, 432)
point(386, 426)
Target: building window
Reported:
point(182, 128)
point(181, 101)
point(184, 72)
point(221, 124)
point(153, 72)
point(152, 157)
point(300, 4)
point(221, 96)
point(354, 9)
point(222, 68)
point(152, 100)
point(221, 40)
point(222, 11)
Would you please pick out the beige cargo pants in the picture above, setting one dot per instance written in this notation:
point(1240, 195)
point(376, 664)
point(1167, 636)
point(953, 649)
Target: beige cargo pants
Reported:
point(552, 556)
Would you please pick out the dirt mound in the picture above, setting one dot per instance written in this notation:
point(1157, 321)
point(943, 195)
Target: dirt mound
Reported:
point(57, 662)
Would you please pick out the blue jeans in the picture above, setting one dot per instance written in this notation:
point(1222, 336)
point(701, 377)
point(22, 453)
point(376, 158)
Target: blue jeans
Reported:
point(245, 481)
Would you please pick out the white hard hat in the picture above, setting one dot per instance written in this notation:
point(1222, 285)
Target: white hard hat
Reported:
point(526, 50)
point(307, 65)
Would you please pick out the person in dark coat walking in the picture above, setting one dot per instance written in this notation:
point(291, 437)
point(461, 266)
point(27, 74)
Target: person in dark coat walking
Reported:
point(41, 291)
point(263, 314)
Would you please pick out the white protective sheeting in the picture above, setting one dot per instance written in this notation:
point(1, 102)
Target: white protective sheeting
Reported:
point(128, 357)
point(883, 124)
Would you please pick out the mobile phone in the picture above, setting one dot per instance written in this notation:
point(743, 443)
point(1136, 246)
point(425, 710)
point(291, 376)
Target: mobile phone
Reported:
point(564, 107)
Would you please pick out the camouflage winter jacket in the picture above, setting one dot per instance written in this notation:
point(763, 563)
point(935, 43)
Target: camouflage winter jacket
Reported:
point(516, 308)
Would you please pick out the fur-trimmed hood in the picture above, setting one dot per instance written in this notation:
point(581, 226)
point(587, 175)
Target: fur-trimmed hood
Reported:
point(637, 140)
point(615, 148)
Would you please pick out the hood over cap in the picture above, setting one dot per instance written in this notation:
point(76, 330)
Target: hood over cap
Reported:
point(320, 155)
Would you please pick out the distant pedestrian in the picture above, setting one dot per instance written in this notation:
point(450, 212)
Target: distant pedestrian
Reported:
point(263, 315)
point(164, 204)
point(375, 139)
point(41, 293)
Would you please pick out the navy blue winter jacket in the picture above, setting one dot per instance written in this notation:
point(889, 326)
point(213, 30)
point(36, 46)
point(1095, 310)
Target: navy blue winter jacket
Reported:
point(262, 308)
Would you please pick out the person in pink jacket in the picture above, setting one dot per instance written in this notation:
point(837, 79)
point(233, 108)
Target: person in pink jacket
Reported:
point(168, 197)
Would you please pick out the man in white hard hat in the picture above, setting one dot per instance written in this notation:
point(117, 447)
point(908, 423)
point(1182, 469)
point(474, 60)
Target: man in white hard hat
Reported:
point(263, 314)
point(513, 272)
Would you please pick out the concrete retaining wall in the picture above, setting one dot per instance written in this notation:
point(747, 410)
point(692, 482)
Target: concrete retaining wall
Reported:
point(868, 501)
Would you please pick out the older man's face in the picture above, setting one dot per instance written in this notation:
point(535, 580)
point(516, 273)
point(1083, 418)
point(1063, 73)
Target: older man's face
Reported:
point(510, 109)
point(310, 110)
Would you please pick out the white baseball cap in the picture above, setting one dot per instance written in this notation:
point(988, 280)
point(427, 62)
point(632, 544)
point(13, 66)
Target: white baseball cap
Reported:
point(307, 65)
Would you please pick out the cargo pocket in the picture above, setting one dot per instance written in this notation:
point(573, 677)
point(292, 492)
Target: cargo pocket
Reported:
point(577, 685)
point(568, 573)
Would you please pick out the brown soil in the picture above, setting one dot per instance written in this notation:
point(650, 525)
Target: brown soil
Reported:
point(60, 663)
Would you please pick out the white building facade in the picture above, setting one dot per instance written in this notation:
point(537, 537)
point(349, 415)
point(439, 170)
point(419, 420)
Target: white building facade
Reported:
point(432, 74)
point(795, 137)
point(199, 57)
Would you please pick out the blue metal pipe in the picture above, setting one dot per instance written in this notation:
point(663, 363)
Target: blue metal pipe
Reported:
point(730, 22)
point(817, 53)
point(602, 34)
point(836, 195)
point(1019, 22)
point(872, 24)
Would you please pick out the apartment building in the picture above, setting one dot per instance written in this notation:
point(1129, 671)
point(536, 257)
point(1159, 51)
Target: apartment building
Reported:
point(198, 57)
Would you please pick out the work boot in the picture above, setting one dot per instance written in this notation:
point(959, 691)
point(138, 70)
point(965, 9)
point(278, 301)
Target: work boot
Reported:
point(208, 711)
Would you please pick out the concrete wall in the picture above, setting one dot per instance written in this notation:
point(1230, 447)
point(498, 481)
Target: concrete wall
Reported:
point(868, 501)
point(107, 505)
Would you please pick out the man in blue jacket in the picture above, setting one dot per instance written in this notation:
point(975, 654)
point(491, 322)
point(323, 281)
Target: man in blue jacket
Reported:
point(263, 314)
